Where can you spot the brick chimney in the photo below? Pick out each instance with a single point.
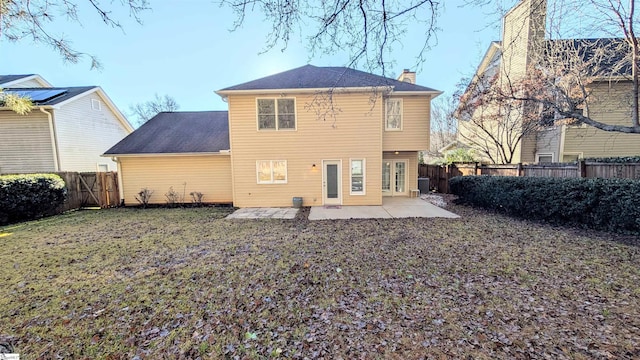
(408, 76)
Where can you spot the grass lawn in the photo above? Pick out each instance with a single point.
(186, 283)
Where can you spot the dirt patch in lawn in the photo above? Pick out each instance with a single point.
(186, 283)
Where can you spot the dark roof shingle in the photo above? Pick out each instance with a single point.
(314, 77)
(9, 78)
(178, 132)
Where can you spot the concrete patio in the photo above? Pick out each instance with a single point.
(396, 207)
(392, 207)
(264, 213)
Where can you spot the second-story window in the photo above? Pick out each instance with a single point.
(276, 114)
(393, 112)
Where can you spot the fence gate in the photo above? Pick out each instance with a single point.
(98, 189)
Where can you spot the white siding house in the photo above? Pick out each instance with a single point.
(67, 130)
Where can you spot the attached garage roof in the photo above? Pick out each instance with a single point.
(177, 132)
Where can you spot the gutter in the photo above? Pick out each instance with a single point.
(221, 152)
(54, 139)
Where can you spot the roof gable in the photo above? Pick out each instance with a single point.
(15, 80)
(314, 77)
(177, 132)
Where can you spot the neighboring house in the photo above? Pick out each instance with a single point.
(67, 130)
(509, 59)
(330, 135)
(23, 81)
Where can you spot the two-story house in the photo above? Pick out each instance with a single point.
(67, 129)
(330, 135)
(524, 45)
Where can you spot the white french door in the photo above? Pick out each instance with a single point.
(394, 177)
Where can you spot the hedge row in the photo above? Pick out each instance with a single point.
(605, 204)
(25, 197)
(616, 160)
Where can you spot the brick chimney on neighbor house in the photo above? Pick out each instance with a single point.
(408, 76)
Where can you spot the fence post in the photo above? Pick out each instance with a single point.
(475, 168)
(519, 169)
(582, 168)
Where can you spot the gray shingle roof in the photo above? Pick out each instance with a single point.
(68, 93)
(9, 78)
(605, 56)
(178, 132)
(314, 77)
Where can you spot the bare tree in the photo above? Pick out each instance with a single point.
(30, 20)
(367, 29)
(493, 123)
(148, 109)
(567, 72)
(444, 125)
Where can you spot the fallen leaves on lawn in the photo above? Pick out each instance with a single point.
(185, 283)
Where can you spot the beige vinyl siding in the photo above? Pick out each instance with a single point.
(25, 143)
(528, 145)
(548, 142)
(412, 166)
(33, 83)
(208, 174)
(523, 33)
(612, 107)
(84, 134)
(355, 133)
(414, 135)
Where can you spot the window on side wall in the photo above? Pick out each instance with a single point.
(571, 157)
(393, 114)
(96, 104)
(276, 114)
(544, 158)
(357, 177)
(271, 171)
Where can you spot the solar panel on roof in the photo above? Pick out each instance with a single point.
(38, 95)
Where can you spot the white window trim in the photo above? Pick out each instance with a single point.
(386, 128)
(96, 104)
(105, 165)
(364, 177)
(580, 154)
(272, 181)
(538, 155)
(275, 99)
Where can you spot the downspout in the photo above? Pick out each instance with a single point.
(54, 139)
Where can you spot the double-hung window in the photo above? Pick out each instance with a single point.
(393, 114)
(276, 114)
(357, 177)
(271, 171)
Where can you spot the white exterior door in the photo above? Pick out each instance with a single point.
(331, 182)
(394, 177)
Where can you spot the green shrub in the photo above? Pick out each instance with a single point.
(616, 160)
(24, 197)
(605, 204)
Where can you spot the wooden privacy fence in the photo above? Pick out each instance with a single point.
(90, 189)
(439, 175)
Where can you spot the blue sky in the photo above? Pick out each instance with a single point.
(185, 49)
